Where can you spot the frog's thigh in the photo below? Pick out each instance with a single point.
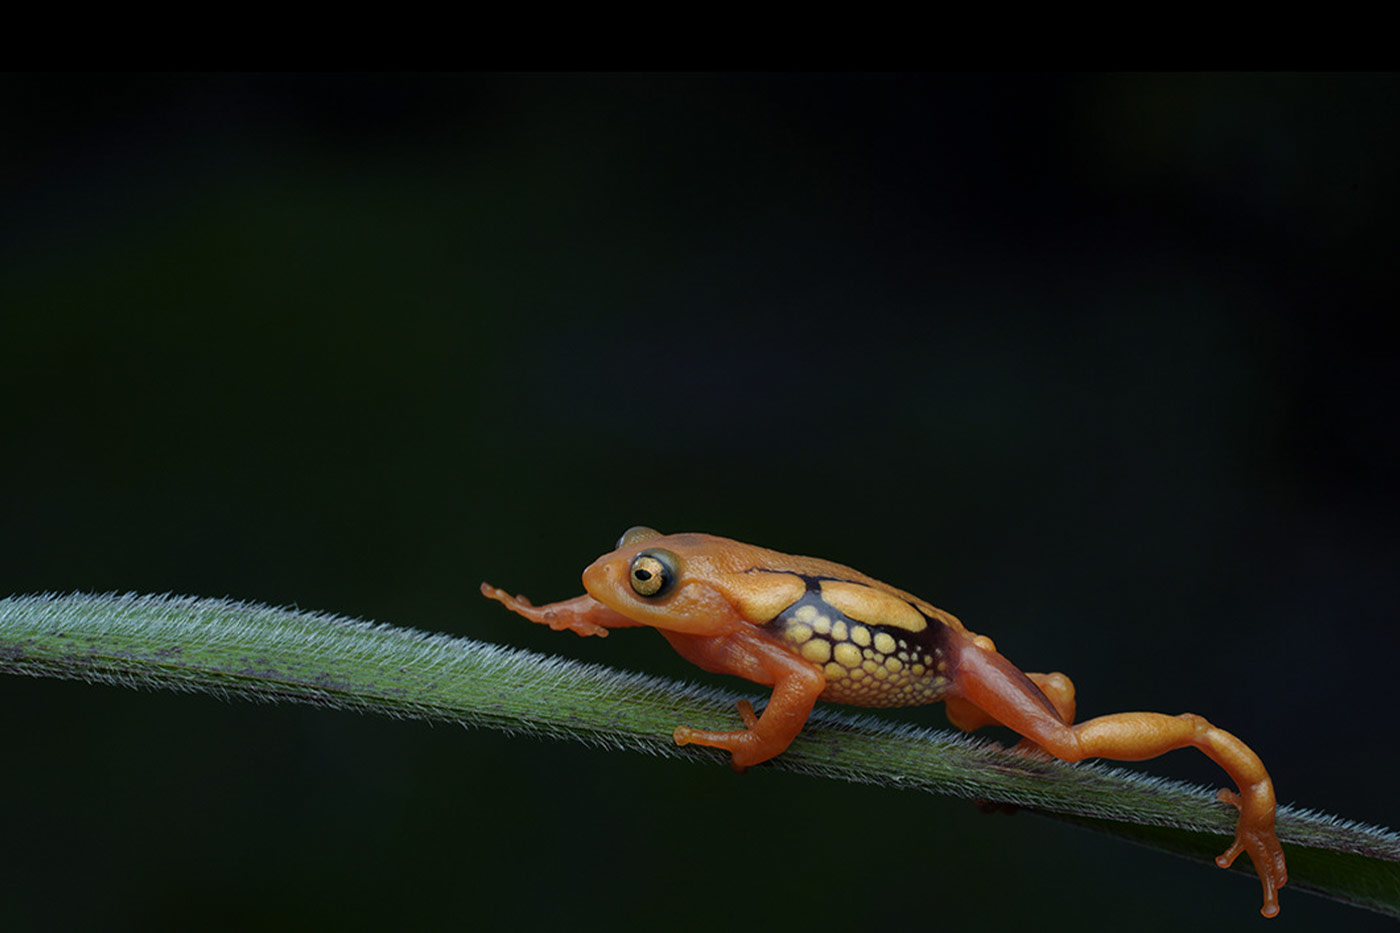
(796, 684)
(1058, 689)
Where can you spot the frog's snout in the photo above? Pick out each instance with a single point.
(600, 576)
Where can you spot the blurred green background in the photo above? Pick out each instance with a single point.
(1103, 365)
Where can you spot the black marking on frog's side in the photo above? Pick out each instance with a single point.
(866, 663)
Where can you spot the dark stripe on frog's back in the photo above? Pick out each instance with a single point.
(865, 664)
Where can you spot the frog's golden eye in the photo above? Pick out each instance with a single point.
(636, 535)
(653, 573)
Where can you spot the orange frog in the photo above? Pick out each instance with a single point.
(813, 630)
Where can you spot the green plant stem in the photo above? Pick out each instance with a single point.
(257, 652)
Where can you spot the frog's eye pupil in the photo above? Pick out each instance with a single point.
(653, 572)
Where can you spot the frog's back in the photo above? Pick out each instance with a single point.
(737, 557)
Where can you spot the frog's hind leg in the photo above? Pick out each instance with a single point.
(986, 681)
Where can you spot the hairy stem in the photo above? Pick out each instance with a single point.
(256, 652)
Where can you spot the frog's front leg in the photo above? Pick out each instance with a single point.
(582, 615)
(796, 685)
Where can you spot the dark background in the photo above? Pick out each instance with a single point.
(1102, 364)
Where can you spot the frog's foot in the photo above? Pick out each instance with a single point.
(743, 746)
(748, 715)
(572, 614)
(1255, 835)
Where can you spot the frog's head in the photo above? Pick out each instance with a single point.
(670, 582)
